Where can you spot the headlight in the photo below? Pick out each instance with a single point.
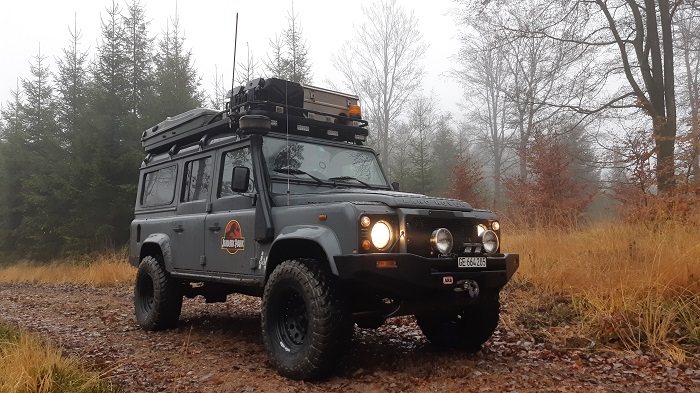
(490, 241)
(381, 235)
(441, 240)
(480, 229)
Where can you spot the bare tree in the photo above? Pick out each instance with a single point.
(382, 64)
(517, 78)
(639, 38)
(688, 43)
(644, 37)
(484, 74)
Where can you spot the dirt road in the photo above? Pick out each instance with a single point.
(218, 348)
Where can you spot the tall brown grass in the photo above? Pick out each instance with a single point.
(109, 268)
(636, 286)
(28, 364)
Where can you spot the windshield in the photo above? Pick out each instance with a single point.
(325, 163)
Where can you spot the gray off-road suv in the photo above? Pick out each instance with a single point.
(278, 197)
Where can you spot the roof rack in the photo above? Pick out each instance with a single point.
(292, 108)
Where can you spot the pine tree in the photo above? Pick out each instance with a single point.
(289, 57)
(444, 150)
(110, 72)
(139, 47)
(249, 70)
(299, 66)
(105, 161)
(12, 170)
(423, 118)
(37, 155)
(176, 84)
(71, 84)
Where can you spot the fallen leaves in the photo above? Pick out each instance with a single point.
(218, 348)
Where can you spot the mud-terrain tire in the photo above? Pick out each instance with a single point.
(157, 296)
(465, 329)
(305, 326)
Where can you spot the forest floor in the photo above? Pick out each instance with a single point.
(218, 348)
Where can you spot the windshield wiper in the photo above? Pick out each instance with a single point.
(295, 172)
(350, 178)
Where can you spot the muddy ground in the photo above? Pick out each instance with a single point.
(218, 348)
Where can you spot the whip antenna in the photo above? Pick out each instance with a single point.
(235, 43)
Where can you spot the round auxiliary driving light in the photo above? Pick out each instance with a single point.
(495, 226)
(490, 241)
(381, 235)
(441, 240)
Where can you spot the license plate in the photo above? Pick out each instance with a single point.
(471, 262)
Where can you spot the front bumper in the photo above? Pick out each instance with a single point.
(415, 276)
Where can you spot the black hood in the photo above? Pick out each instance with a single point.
(388, 198)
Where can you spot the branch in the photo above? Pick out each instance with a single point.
(608, 105)
(623, 54)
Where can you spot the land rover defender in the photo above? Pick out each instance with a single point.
(278, 196)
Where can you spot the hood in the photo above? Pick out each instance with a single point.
(385, 197)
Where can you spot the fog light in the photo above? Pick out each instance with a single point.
(490, 241)
(441, 240)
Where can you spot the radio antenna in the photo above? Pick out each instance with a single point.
(235, 43)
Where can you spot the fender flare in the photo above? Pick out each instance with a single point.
(163, 242)
(321, 235)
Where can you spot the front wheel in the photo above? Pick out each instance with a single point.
(465, 329)
(157, 297)
(305, 327)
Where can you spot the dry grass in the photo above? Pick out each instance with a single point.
(30, 365)
(635, 287)
(610, 257)
(97, 270)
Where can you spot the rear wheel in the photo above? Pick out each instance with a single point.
(306, 329)
(157, 296)
(465, 329)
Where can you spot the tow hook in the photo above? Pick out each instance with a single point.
(469, 286)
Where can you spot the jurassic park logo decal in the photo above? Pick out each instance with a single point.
(233, 239)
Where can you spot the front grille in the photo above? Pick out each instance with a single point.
(419, 229)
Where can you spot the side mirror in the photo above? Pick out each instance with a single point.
(240, 179)
(395, 186)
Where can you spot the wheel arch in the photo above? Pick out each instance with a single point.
(158, 245)
(304, 241)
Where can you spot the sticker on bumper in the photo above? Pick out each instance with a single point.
(448, 280)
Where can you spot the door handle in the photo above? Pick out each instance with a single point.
(178, 229)
(215, 228)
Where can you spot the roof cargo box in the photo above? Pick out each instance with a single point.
(331, 102)
(270, 90)
(178, 128)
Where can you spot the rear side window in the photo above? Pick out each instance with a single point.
(197, 182)
(159, 187)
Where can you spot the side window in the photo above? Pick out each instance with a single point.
(234, 158)
(197, 180)
(159, 187)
